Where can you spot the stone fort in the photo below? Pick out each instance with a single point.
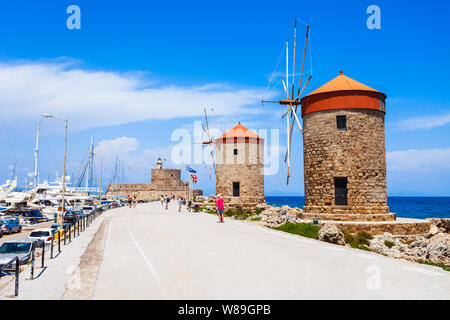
(164, 182)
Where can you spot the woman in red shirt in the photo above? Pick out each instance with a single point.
(219, 207)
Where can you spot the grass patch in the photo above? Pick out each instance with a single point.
(389, 244)
(303, 229)
(358, 241)
(237, 214)
(258, 211)
(434, 264)
(255, 219)
(209, 211)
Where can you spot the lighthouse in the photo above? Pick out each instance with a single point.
(344, 152)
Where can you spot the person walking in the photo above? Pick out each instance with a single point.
(162, 200)
(189, 205)
(167, 201)
(219, 207)
(180, 203)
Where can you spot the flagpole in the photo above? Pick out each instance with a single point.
(185, 178)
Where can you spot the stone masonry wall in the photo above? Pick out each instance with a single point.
(247, 168)
(164, 182)
(357, 153)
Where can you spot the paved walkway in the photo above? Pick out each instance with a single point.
(150, 253)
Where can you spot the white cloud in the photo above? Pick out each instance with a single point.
(97, 98)
(122, 146)
(418, 159)
(426, 122)
(130, 154)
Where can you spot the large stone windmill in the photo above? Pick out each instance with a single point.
(343, 147)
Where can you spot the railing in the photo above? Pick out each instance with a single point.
(79, 225)
(2, 269)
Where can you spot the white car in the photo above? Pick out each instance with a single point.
(88, 210)
(44, 234)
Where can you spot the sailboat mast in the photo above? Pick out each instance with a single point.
(36, 150)
(91, 164)
(101, 180)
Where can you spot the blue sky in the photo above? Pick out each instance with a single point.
(138, 70)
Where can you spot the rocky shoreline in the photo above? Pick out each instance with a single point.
(432, 247)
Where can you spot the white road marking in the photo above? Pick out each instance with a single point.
(424, 271)
(147, 260)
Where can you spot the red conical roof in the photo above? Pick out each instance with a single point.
(343, 92)
(342, 83)
(239, 131)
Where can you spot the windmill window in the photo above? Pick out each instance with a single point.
(341, 122)
(235, 152)
(236, 189)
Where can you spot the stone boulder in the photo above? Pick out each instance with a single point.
(442, 224)
(435, 249)
(329, 232)
(387, 244)
(276, 216)
(262, 206)
(438, 249)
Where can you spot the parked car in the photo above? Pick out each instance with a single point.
(10, 226)
(88, 210)
(70, 216)
(21, 248)
(44, 234)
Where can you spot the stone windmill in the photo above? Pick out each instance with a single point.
(344, 149)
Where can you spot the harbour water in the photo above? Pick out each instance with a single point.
(405, 207)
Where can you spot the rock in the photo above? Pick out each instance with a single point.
(262, 206)
(441, 236)
(387, 244)
(277, 216)
(434, 230)
(330, 233)
(434, 248)
(443, 224)
(438, 250)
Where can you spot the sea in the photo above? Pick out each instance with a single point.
(404, 207)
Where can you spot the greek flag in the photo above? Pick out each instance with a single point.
(190, 169)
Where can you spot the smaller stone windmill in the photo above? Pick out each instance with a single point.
(240, 168)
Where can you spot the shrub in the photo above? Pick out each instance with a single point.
(237, 214)
(358, 241)
(389, 244)
(303, 229)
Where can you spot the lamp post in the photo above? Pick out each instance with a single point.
(45, 115)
